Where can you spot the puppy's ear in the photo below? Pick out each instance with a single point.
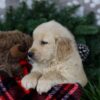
(64, 48)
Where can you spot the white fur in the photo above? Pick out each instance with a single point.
(47, 70)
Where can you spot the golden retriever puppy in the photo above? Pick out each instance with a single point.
(55, 58)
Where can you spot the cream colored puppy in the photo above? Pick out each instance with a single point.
(56, 58)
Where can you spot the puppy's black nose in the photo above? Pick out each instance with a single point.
(30, 54)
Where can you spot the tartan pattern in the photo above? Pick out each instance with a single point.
(65, 92)
(11, 89)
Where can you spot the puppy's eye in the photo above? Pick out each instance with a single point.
(44, 42)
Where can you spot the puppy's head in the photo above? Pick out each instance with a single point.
(43, 47)
(50, 41)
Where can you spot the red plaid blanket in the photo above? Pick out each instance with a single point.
(11, 89)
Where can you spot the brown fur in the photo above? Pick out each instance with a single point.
(63, 48)
(8, 39)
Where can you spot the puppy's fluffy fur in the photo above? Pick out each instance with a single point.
(8, 41)
(56, 58)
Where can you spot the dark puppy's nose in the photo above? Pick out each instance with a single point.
(30, 54)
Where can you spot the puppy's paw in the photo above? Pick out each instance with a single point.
(29, 81)
(43, 86)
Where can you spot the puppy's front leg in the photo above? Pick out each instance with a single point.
(48, 80)
(30, 80)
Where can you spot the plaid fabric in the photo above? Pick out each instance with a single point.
(11, 89)
(65, 92)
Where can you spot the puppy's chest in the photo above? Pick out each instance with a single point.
(43, 68)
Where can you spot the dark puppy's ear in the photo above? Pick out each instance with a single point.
(17, 51)
(64, 48)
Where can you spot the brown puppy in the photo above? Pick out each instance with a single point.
(10, 42)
